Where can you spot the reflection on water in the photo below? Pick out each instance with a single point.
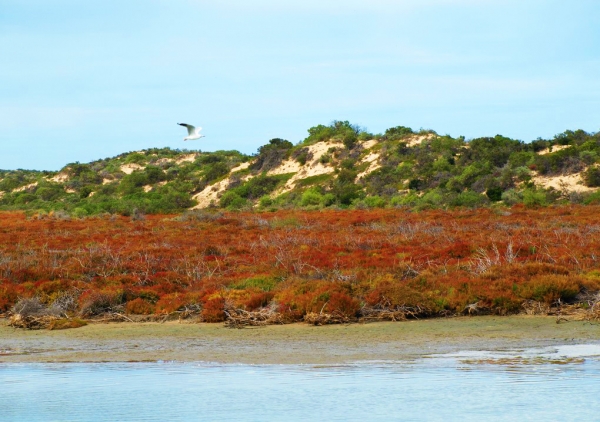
(531, 384)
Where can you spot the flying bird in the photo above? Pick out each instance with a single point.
(193, 132)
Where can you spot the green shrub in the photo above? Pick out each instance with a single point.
(265, 201)
(469, 199)
(338, 130)
(588, 157)
(512, 197)
(215, 171)
(232, 200)
(49, 192)
(260, 185)
(325, 158)
(272, 154)
(85, 191)
(592, 198)
(408, 200)
(534, 198)
(263, 283)
(551, 287)
(494, 194)
(398, 132)
(79, 212)
(415, 184)
(136, 158)
(311, 197)
(302, 155)
(374, 202)
(591, 177)
(432, 199)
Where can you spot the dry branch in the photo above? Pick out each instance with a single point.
(31, 322)
(381, 312)
(240, 318)
(325, 318)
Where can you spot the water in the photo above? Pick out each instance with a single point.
(558, 383)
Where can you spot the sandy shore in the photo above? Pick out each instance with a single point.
(288, 344)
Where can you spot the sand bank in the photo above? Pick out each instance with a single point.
(288, 344)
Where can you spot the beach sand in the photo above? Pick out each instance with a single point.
(288, 344)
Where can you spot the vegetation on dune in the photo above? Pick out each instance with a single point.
(316, 266)
(352, 226)
(339, 165)
(149, 182)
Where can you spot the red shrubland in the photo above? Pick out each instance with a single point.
(304, 262)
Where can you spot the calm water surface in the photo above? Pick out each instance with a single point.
(559, 383)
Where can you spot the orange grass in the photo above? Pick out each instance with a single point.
(305, 261)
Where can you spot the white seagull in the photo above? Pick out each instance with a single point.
(193, 132)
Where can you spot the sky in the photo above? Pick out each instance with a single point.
(86, 80)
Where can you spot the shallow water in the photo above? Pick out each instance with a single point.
(552, 383)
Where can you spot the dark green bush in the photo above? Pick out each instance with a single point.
(591, 177)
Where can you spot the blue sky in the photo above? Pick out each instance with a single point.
(84, 80)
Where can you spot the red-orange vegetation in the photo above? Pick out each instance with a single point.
(94, 302)
(173, 302)
(304, 261)
(258, 300)
(341, 303)
(214, 310)
(140, 306)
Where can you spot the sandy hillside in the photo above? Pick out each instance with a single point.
(23, 188)
(189, 158)
(373, 159)
(554, 148)
(418, 139)
(568, 183)
(130, 168)
(212, 192)
(309, 169)
(59, 178)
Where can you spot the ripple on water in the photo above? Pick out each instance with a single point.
(439, 387)
(551, 355)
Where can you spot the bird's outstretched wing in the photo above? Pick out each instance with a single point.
(191, 129)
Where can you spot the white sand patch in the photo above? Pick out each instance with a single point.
(418, 139)
(369, 144)
(161, 161)
(188, 158)
(68, 190)
(552, 149)
(22, 188)
(303, 174)
(568, 183)
(321, 148)
(210, 194)
(148, 188)
(106, 181)
(373, 160)
(130, 168)
(288, 166)
(312, 168)
(242, 166)
(60, 177)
